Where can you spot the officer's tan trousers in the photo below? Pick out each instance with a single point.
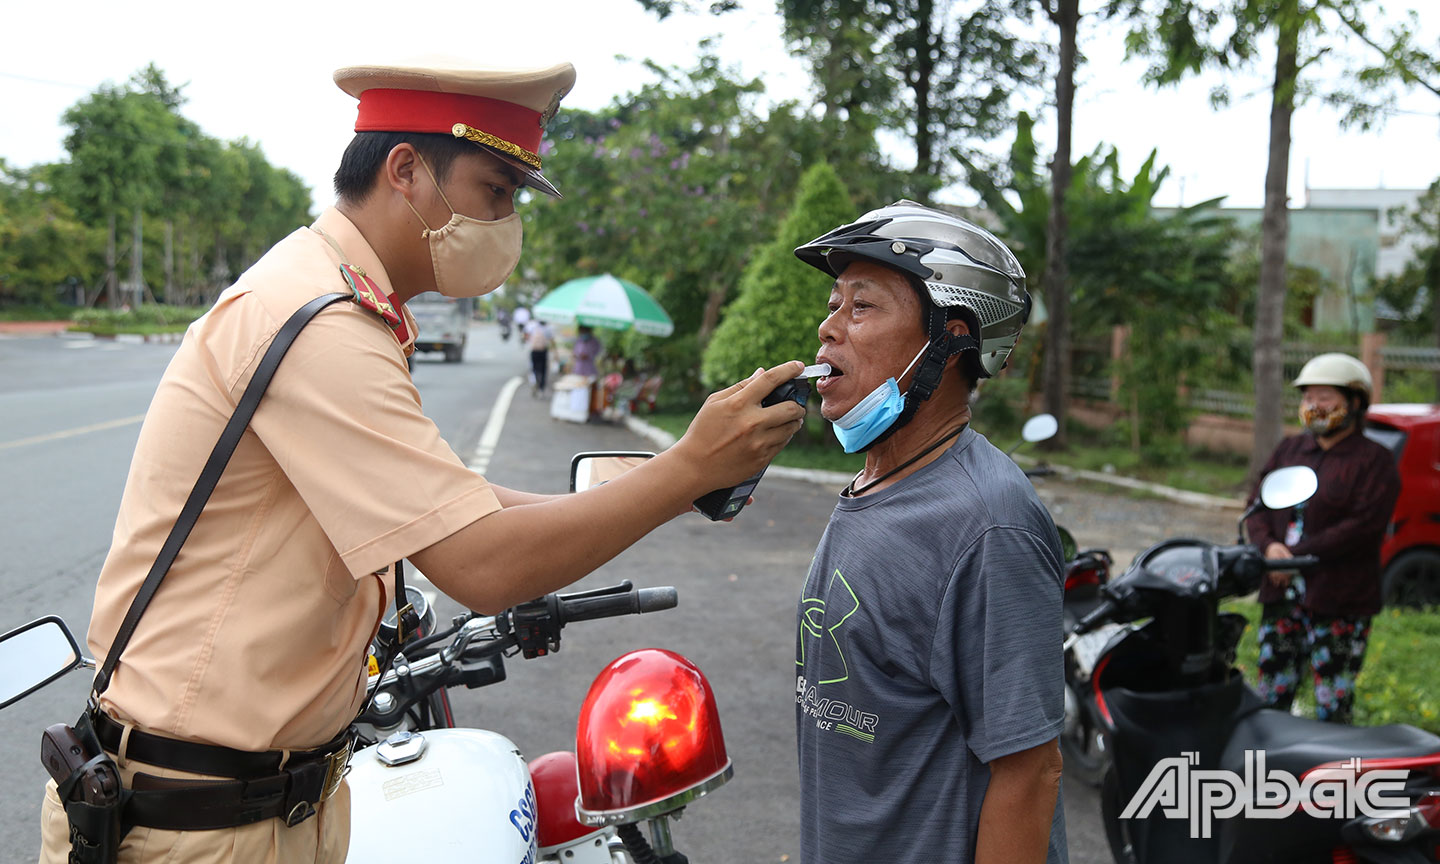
(323, 838)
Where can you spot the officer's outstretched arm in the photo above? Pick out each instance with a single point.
(522, 552)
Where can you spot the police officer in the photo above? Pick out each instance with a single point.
(252, 652)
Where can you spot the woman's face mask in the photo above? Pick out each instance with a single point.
(471, 257)
(1324, 420)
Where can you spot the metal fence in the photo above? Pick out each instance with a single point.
(1228, 388)
(1410, 357)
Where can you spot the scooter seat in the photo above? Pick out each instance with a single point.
(1297, 744)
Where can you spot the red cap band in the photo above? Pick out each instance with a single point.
(383, 110)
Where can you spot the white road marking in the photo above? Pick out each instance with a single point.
(71, 433)
(480, 462)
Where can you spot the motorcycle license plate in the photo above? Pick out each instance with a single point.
(1087, 648)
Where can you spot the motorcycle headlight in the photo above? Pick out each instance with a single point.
(649, 739)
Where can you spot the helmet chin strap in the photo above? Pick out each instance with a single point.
(943, 346)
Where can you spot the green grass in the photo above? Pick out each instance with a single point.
(137, 329)
(1097, 450)
(1397, 680)
(35, 313)
(148, 318)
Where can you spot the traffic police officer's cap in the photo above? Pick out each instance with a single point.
(503, 110)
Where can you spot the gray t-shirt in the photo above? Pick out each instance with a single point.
(929, 644)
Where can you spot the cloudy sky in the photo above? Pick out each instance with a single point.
(263, 71)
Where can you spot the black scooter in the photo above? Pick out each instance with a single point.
(1201, 770)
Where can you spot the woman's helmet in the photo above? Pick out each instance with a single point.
(958, 263)
(1337, 370)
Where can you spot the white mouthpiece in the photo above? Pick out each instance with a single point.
(819, 370)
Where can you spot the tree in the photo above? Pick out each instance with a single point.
(42, 243)
(1161, 276)
(673, 187)
(1065, 14)
(1183, 37)
(117, 144)
(961, 63)
(1415, 291)
(782, 299)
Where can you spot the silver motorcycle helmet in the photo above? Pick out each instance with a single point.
(959, 263)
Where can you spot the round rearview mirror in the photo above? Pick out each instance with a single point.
(1068, 547)
(1041, 427)
(1288, 487)
(588, 470)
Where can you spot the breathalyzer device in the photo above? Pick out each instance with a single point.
(726, 503)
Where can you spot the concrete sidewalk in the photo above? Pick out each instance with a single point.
(534, 450)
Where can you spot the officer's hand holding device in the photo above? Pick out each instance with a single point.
(727, 503)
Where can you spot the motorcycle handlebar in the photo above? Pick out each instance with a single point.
(1295, 563)
(630, 603)
(1095, 618)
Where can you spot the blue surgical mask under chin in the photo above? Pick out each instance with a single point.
(872, 415)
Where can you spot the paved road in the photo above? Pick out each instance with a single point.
(69, 416)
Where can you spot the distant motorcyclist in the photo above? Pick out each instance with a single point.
(1322, 620)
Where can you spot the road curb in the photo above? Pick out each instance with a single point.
(664, 440)
(655, 435)
(1183, 496)
(130, 338)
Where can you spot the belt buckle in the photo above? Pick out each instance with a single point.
(337, 765)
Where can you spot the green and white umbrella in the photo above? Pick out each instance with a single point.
(604, 301)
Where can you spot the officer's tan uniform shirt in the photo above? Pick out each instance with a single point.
(257, 637)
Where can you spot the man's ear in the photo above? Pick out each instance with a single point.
(400, 169)
(958, 327)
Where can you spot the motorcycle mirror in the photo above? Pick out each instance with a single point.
(1288, 487)
(32, 655)
(1041, 427)
(591, 469)
(1068, 547)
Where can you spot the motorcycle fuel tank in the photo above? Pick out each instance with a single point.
(452, 795)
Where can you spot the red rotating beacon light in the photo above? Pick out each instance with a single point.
(649, 739)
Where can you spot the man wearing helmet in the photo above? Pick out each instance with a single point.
(1323, 618)
(929, 680)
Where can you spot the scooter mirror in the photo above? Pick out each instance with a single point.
(1288, 487)
(33, 655)
(588, 470)
(1041, 427)
(1068, 547)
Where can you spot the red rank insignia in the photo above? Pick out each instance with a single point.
(369, 295)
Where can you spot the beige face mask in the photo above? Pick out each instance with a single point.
(471, 257)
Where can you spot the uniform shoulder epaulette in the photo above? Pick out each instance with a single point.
(369, 296)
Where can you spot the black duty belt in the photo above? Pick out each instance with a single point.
(261, 788)
(177, 755)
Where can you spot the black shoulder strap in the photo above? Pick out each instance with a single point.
(209, 476)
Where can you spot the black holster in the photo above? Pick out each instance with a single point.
(95, 832)
(88, 784)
